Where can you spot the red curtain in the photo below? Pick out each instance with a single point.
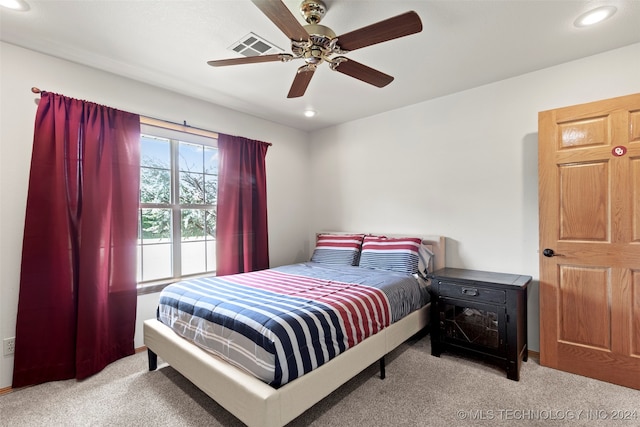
(241, 225)
(77, 304)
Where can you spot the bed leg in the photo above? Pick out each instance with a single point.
(153, 360)
(382, 373)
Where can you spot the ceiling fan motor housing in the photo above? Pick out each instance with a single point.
(319, 47)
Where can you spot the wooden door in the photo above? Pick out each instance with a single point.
(589, 197)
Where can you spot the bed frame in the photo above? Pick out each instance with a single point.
(256, 403)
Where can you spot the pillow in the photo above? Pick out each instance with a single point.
(424, 258)
(401, 254)
(337, 249)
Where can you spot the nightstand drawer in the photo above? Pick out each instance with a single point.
(471, 292)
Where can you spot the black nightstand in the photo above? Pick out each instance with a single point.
(482, 314)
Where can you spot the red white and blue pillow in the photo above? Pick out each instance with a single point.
(338, 249)
(401, 254)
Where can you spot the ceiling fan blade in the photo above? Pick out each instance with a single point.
(399, 26)
(362, 72)
(301, 81)
(280, 15)
(251, 60)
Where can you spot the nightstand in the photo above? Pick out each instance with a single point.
(482, 314)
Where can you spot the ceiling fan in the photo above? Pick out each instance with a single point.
(317, 44)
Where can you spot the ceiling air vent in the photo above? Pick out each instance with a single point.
(253, 45)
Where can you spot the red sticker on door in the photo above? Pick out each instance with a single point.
(619, 151)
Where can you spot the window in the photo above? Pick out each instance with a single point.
(178, 194)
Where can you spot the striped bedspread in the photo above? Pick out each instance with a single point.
(281, 323)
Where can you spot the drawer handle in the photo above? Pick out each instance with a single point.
(470, 291)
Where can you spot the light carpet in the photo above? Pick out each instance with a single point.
(419, 390)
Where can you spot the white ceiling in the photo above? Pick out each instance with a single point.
(464, 43)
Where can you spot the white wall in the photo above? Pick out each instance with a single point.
(287, 161)
(463, 166)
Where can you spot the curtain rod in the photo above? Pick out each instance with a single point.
(151, 121)
(184, 127)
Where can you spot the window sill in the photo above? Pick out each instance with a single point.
(152, 288)
(155, 287)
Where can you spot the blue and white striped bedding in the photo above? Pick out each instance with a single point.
(281, 323)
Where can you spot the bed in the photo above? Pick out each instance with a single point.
(276, 395)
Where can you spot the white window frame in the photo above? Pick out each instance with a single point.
(176, 133)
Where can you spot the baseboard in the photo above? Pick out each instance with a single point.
(533, 354)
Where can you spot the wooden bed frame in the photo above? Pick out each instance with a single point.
(256, 403)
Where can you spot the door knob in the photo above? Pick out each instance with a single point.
(549, 253)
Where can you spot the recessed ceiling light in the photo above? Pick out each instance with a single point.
(594, 16)
(19, 5)
(309, 113)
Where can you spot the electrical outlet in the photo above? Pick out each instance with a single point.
(9, 346)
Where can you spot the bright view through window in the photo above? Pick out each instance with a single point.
(178, 193)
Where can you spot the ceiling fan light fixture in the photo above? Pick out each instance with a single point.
(594, 16)
(19, 5)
